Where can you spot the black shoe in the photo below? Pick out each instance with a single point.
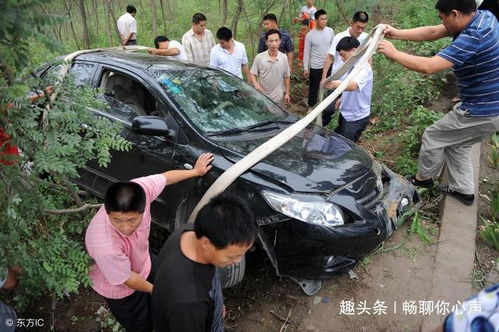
(466, 199)
(428, 183)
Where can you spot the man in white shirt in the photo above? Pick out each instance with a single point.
(355, 102)
(317, 43)
(198, 41)
(270, 72)
(229, 55)
(356, 29)
(127, 26)
(167, 47)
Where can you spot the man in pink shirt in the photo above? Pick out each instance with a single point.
(117, 239)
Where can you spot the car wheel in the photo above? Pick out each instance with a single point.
(232, 274)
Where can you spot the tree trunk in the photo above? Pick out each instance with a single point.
(152, 5)
(95, 7)
(279, 19)
(113, 17)
(163, 15)
(86, 38)
(68, 9)
(224, 12)
(236, 19)
(109, 29)
(252, 34)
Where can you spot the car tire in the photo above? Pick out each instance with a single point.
(232, 274)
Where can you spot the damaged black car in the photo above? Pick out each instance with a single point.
(322, 203)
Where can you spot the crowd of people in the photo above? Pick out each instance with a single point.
(180, 289)
(271, 68)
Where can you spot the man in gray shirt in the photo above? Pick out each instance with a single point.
(317, 43)
(270, 70)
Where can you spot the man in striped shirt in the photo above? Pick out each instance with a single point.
(198, 41)
(117, 239)
(473, 55)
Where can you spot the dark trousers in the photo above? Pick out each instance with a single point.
(134, 311)
(351, 129)
(314, 86)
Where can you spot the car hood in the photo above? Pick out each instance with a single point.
(311, 161)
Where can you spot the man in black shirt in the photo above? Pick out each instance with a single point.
(187, 294)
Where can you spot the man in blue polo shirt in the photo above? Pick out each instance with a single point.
(473, 55)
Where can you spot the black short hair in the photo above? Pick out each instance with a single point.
(160, 39)
(271, 32)
(319, 13)
(125, 197)
(305, 21)
(226, 220)
(362, 17)
(270, 17)
(131, 9)
(224, 33)
(347, 44)
(198, 17)
(463, 6)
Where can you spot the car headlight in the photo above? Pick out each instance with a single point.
(307, 208)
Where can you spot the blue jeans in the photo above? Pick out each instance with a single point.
(351, 129)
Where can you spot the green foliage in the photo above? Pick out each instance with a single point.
(419, 120)
(56, 138)
(422, 228)
(20, 24)
(494, 151)
(490, 233)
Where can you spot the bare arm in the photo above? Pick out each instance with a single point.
(135, 281)
(327, 64)
(287, 85)
(426, 33)
(246, 73)
(201, 167)
(352, 85)
(255, 83)
(290, 60)
(167, 52)
(425, 65)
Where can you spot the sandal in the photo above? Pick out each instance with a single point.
(466, 199)
(428, 183)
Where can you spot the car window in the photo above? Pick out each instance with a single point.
(82, 73)
(126, 97)
(214, 101)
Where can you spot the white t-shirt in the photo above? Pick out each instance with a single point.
(356, 104)
(181, 56)
(222, 59)
(126, 25)
(332, 50)
(309, 11)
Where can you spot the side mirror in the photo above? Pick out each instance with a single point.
(151, 125)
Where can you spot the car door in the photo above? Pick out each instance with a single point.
(127, 96)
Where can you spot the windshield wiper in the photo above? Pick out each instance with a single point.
(232, 131)
(255, 127)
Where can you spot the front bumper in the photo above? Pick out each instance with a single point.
(303, 250)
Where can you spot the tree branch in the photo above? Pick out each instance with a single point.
(80, 209)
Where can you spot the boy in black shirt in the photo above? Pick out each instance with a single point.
(187, 294)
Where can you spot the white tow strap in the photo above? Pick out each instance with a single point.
(362, 55)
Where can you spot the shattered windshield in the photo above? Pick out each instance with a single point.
(214, 101)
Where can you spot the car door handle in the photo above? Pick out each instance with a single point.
(188, 166)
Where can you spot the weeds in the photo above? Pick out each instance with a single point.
(494, 151)
(489, 232)
(424, 230)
